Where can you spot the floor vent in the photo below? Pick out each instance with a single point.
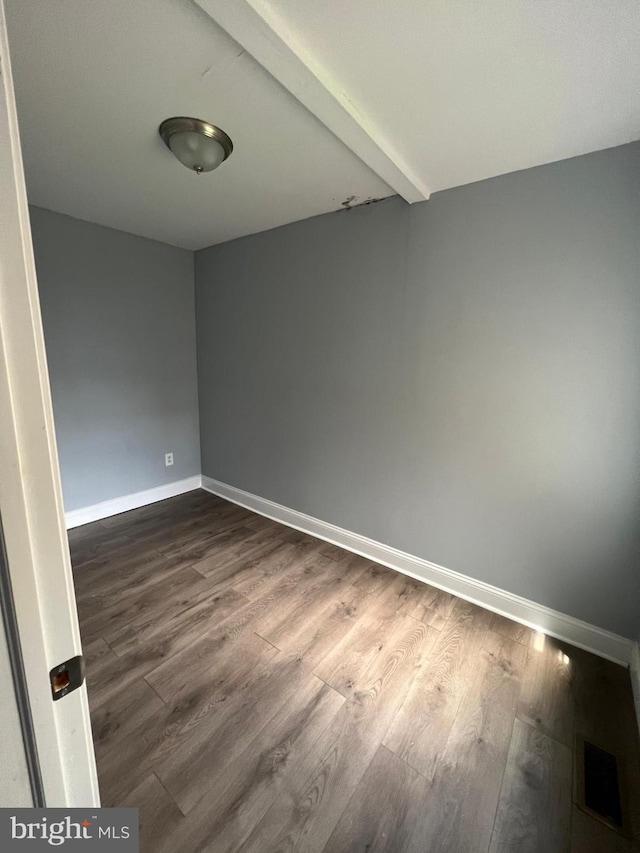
(600, 785)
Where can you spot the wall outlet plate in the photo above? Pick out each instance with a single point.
(168, 459)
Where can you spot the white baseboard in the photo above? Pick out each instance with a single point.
(634, 668)
(103, 510)
(536, 616)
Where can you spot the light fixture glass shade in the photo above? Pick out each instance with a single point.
(198, 145)
(197, 152)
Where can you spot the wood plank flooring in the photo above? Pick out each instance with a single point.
(256, 690)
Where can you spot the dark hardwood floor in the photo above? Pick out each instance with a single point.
(255, 689)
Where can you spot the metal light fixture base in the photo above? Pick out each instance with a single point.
(185, 124)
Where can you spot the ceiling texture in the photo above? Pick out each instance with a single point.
(327, 103)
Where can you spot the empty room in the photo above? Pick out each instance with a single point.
(320, 393)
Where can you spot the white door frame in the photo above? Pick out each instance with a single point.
(31, 506)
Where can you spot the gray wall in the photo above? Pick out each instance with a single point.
(118, 316)
(459, 379)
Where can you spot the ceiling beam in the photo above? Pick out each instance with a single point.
(263, 34)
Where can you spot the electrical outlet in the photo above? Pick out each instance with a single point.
(168, 459)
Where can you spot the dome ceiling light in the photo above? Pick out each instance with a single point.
(198, 145)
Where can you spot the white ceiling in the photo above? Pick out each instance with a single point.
(94, 79)
(469, 89)
(429, 94)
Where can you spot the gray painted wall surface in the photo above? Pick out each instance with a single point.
(459, 379)
(118, 316)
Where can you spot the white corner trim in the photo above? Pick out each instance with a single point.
(261, 31)
(149, 496)
(589, 637)
(634, 668)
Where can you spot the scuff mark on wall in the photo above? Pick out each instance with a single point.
(351, 202)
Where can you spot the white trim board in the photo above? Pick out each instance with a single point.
(270, 40)
(149, 496)
(589, 637)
